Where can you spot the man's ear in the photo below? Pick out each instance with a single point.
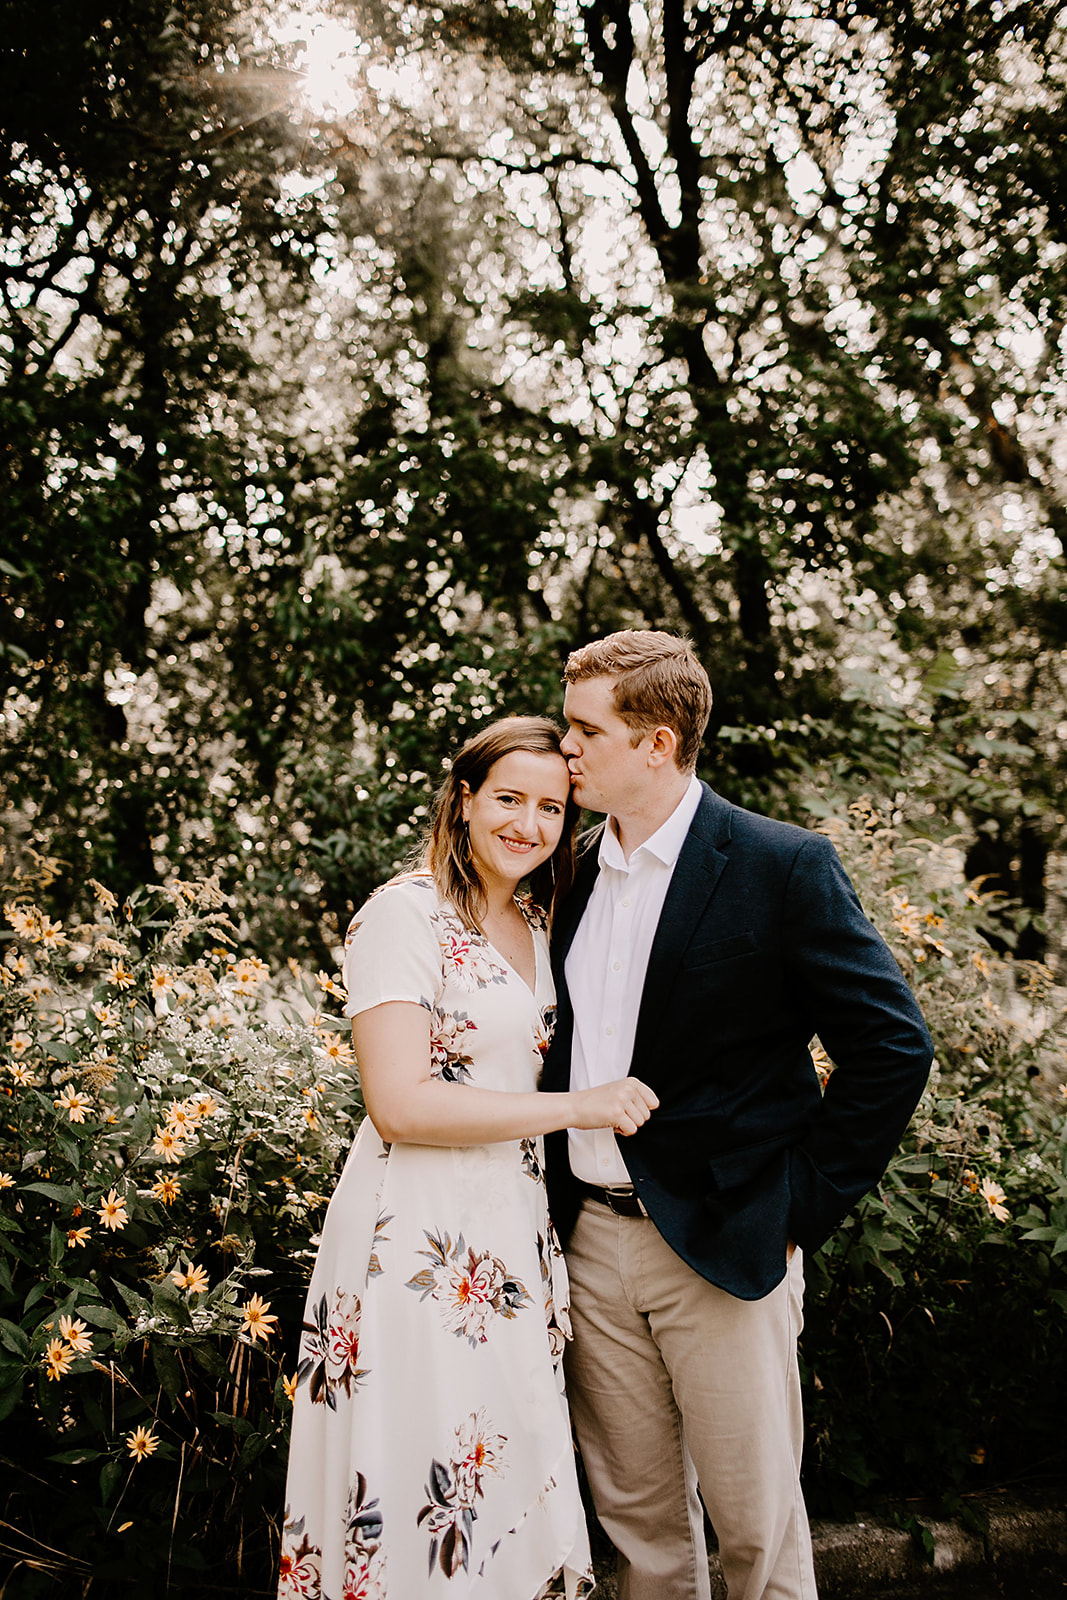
(663, 746)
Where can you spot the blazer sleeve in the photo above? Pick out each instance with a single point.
(850, 989)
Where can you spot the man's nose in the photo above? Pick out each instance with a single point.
(568, 746)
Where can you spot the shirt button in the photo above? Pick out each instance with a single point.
(625, 902)
(616, 966)
(609, 1030)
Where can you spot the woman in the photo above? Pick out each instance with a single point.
(431, 1450)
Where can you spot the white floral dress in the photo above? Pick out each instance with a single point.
(431, 1449)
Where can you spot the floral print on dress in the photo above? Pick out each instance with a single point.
(454, 1486)
(300, 1568)
(546, 1028)
(465, 955)
(374, 1265)
(558, 1323)
(531, 1160)
(471, 1288)
(329, 1350)
(365, 1560)
(448, 1035)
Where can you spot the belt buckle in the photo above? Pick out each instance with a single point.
(620, 1194)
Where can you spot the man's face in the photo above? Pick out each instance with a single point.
(607, 772)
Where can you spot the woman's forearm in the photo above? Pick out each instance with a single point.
(408, 1105)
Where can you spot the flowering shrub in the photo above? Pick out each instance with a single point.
(910, 1390)
(170, 1129)
(171, 1124)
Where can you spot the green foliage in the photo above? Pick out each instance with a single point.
(935, 1316)
(171, 1123)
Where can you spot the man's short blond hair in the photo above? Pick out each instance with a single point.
(658, 682)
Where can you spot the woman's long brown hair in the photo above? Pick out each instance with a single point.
(447, 854)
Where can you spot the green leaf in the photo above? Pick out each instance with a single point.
(36, 1293)
(110, 1473)
(10, 1395)
(100, 1316)
(75, 1458)
(57, 1245)
(168, 1369)
(64, 1193)
(14, 1338)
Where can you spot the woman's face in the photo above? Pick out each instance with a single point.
(515, 819)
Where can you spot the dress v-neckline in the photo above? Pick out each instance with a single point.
(531, 989)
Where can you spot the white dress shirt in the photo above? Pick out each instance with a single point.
(606, 967)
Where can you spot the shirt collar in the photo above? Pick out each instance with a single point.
(665, 844)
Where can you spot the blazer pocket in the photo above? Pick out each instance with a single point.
(741, 944)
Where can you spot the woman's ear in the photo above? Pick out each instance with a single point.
(465, 807)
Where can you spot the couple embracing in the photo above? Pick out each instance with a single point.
(606, 1158)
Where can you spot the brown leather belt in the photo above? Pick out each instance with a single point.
(623, 1201)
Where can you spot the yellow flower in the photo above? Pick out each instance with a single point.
(970, 1179)
(195, 1279)
(6, 1181)
(23, 920)
(339, 1051)
(106, 1015)
(205, 1106)
(104, 897)
(167, 1144)
(310, 1118)
(257, 1324)
(22, 1076)
(113, 1212)
(246, 973)
(20, 1043)
(76, 1334)
(162, 980)
(141, 1442)
(329, 985)
(77, 1237)
(73, 1103)
(119, 975)
(180, 1118)
(166, 1189)
(289, 1385)
(50, 933)
(993, 1195)
(57, 1358)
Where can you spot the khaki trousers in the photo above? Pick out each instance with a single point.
(673, 1383)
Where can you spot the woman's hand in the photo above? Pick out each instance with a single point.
(623, 1106)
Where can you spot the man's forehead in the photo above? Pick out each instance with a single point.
(590, 699)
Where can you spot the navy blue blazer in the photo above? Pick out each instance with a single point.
(762, 943)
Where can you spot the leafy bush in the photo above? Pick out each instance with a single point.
(936, 1317)
(170, 1126)
(172, 1120)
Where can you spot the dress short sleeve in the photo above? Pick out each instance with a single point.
(391, 950)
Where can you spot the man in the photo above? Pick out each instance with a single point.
(701, 949)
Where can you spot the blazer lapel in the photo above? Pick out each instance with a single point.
(696, 875)
(570, 914)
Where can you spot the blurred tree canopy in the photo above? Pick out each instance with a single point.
(329, 429)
